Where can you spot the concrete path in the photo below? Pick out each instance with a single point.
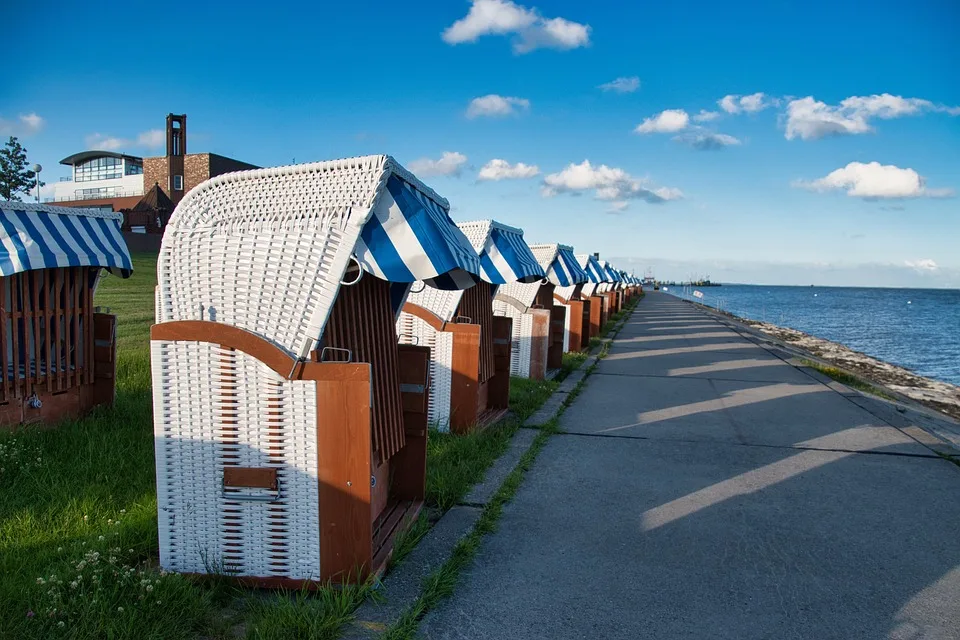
(704, 488)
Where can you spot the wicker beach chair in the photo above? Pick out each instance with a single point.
(538, 323)
(470, 348)
(290, 427)
(594, 291)
(568, 278)
(57, 351)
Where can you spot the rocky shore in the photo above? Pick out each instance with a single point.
(941, 396)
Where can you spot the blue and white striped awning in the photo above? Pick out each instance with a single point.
(560, 264)
(504, 255)
(612, 275)
(590, 264)
(39, 236)
(411, 237)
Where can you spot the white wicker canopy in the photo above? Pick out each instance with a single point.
(266, 250)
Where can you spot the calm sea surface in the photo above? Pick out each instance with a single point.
(915, 328)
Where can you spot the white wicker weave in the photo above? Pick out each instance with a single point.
(566, 292)
(198, 528)
(413, 330)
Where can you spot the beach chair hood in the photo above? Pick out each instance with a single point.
(41, 236)
(504, 256)
(267, 250)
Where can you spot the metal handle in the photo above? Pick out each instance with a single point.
(359, 274)
(424, 286)
(323, 353)
(410, 336)
(463, 320)
(250, 497)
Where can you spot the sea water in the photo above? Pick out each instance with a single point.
(918, 329)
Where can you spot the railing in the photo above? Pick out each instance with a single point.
(116, 194)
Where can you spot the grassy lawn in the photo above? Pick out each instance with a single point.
(78, 524)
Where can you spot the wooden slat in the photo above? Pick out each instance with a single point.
(15, 282)
(76, 338)
(362, 320)
(36, 284)
(57, 308)
(3, 338)
(88, 329)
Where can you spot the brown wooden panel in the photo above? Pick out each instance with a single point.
(558, 316)
(540, 332)
(251, 477)
(575, 309)
(410, 463)
(414, 376)
(477, 304)
(464, 376)
(343, 448)
(362, 320)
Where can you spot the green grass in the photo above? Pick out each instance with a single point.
(848, 379)
(62, 489)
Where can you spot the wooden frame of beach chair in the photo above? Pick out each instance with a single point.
(57, 351)
(290, 427)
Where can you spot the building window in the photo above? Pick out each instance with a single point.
(94, 193)
(98, 169)
(133, 168)
(178, 183)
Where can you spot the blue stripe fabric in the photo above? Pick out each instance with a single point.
(576, 273)
(506, 258)
(409, 237)
(593, 269)
(34, 236)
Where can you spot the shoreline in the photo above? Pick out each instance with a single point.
(941, 397)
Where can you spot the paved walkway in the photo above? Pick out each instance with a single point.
(704, 488)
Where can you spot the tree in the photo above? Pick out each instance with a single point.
(15, 176)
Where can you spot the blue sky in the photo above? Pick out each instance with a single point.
(854, 101)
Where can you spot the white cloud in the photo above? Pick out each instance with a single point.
(810, 119)
(925, 265)
(496, 106)
(707, 140)
(618, 206)
(148, 140)
(746, 104)
(498, 169)
(706, 116)
(874, 180)
(25, 125)
(530, 30)
(450, 164)
(622, 85)
(152, 139)
(669, 121)
(106, 143)
(608, 183)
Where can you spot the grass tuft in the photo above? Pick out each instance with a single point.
(848, 379)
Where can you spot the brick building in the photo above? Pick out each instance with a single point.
(120, 182)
